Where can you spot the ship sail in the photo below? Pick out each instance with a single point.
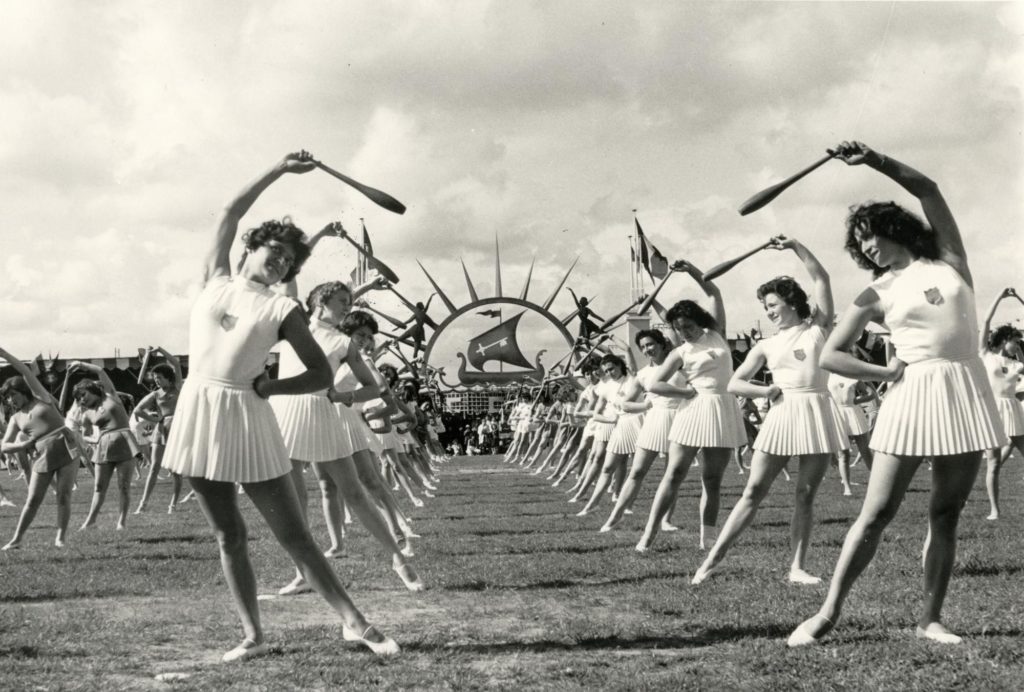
(498, 343)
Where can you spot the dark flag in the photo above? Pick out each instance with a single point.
(654, 262)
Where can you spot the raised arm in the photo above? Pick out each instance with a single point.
(835, 356)
(940, 218)
(218, 257)
(101, 375)
(38, 390)
(821, 284)
(179, 377)
(986, 326)
(710, 290)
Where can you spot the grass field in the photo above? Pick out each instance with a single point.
(522, 595)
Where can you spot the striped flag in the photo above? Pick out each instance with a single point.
(654, 262)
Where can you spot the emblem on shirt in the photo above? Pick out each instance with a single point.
(933, 296)
(228, 322)
(1005, 370)
(799, 354)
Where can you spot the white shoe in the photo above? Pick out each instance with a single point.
(388, 647)
(246, 650)
(799, 576)
(937, 633)
(296, 587)
(409, 577)
(802, 636)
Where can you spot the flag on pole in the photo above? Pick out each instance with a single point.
(361, 274)
(654, 262)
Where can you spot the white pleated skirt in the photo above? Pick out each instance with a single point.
(802, 422)
(854, 419)
(523, 427)
(389, 440)
(588, 429)
(355, 429)
(603, 431)
(657, 425)
(939, 407)
(625, 434)
(407, 440)
(1011, 412)
(223, 431)
(311, 428)
(710, 419)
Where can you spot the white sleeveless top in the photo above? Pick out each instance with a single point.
(707, 363)
(334, 343)
(1003, 373)
(843, 389)
(930, 311)
(646, 379)
(792, 357)
(232, 327)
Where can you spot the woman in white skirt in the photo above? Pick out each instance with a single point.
(940, 404)
(613, 374)
(802, 420)
(1002, 356)
(628, 417)
(519, 422)
(848, 394)
(315, 433)
(582, 414)
(225, 431)
(381, 415)
(708, 418)
(658, 411)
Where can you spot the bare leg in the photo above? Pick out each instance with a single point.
(378, 490)
(995, 458)
(680, 459)
(343, 473)
(125, 469)
(611, 463)
(37, 486)
(102, 481)
(811, 471)
(861, 441)
(763, 470)
(594, 465)
(65, 485)
(716, 461)
(642, 460)
(334, 511)
(842, 458)
(582, 453)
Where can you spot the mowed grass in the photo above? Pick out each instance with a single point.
(522, 595)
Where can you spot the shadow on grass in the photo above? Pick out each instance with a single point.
(504, 550)
(976, 570)
(198, 538)
(700, 639)
(483, 585)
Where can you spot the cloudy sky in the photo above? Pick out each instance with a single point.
(126, 127)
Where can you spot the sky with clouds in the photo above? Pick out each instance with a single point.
(126, 127)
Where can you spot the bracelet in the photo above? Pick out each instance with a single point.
(881, 163)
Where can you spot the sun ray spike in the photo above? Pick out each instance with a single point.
(469, 284)
(497, 268)
(441, 294)
(529, 275)
(554, 294)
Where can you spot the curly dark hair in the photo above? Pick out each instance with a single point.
(16, 384)
(1000, 335)
(688, 309)
(88, 387)
(389, 372)
(284, 232)
(888, 220)
(356, 319)
(786, 288)
(617, 361)
(165, 370)
(324, 292)
(654, 335)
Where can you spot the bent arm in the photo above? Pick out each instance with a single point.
(317, 376)
(821, 286)
(834, 355)
(38, 390)
(740, 384)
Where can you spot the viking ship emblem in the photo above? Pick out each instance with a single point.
(933, 296)
(799, 354)
(498, 343)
